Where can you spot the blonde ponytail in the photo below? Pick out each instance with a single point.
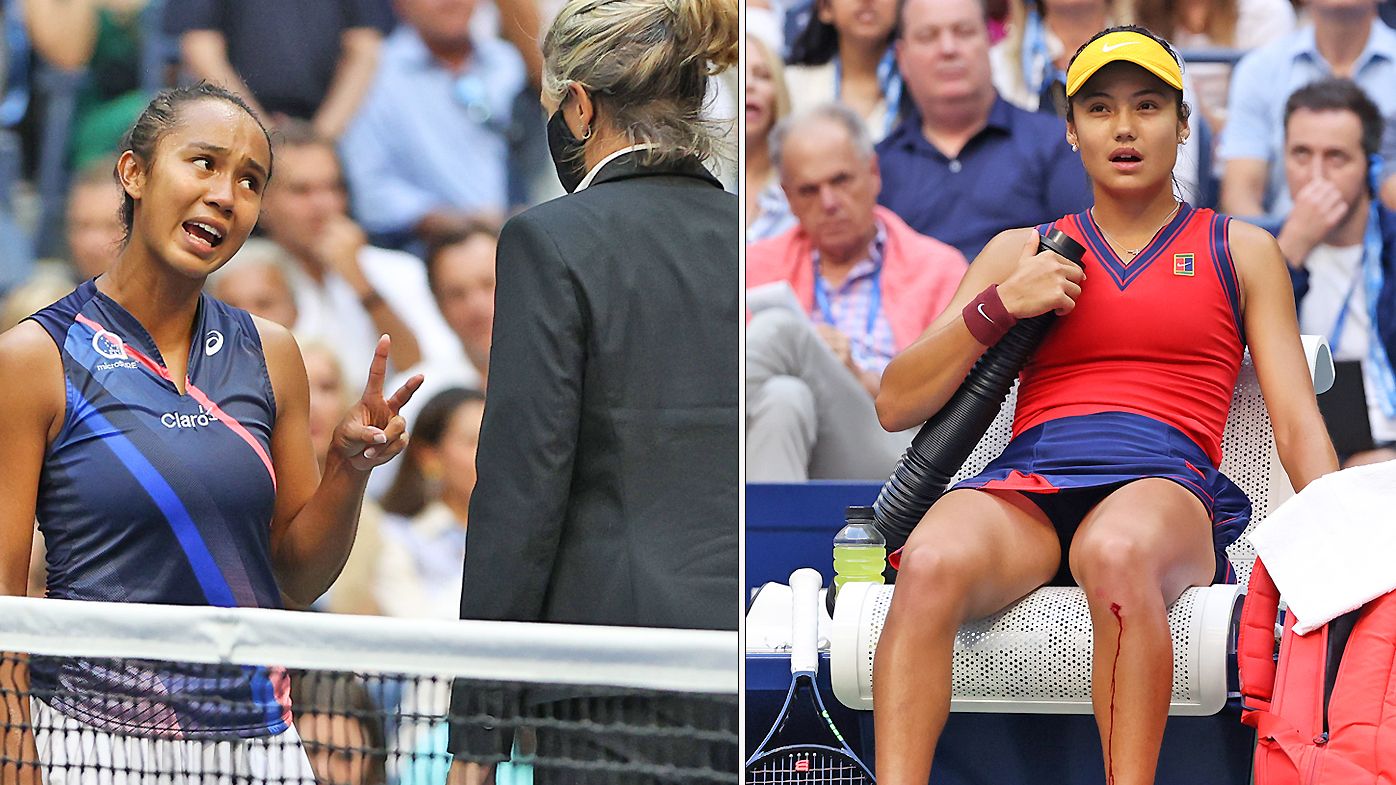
(646, 65)
(711, 27)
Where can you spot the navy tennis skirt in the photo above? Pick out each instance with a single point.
(1068, 465)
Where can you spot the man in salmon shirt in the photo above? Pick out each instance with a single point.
(866, 285)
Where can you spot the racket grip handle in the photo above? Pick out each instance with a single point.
(804, 622)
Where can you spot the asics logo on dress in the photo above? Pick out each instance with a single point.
(213, 343)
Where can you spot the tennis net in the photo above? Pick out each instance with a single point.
(125, 694)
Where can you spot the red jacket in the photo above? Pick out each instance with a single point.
(919, 273)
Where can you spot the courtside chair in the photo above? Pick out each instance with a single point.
(1035, 656)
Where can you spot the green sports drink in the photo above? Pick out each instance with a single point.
(860, 550)
(861, 563)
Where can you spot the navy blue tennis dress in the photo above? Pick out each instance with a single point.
(151, 496)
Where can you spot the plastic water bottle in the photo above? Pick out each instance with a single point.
(860, 550)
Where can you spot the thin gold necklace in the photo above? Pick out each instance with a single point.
(1134, 251)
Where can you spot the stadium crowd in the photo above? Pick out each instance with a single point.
(404, 132)
(877, 126)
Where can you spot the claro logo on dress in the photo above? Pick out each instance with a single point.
(177, 420)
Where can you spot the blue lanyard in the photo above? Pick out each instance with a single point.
(821, 298)
(1371, 251)
(1335, 336)
(889, 82)
(1038, 69)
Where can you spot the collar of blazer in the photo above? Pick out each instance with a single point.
(631, 165)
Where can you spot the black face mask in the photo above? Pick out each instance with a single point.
(566, 151)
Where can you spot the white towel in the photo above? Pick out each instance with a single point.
(1332, 547)
(768, 627)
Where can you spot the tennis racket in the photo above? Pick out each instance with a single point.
(786, 755)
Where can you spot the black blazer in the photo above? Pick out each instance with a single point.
(608, 459)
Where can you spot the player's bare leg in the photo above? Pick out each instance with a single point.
(1134, 554)
(974, 553)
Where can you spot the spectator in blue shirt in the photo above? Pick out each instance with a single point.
(427, 154)
(1341, 250)
(308, 59)
(16, 249)
(965, 164)
(1346, 39)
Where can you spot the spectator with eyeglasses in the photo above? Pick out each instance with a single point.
(427, 153)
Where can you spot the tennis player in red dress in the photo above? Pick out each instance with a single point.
(1111, 478)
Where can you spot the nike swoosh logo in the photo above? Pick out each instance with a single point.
(980, 308)
(1108, 48)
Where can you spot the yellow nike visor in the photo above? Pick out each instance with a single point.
(1123, 46)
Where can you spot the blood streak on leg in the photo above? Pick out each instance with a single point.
(1114, 669)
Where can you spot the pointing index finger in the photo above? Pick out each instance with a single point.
(378, 369)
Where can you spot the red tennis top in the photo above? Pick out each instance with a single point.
(1158, 335)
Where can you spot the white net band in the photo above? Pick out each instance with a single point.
(119, 694)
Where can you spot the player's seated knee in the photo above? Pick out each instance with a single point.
(934, 577)
(1111, 566)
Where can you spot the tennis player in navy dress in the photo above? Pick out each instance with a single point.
(161, 440)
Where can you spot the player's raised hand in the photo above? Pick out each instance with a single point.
(1043, 281)
(373, 431)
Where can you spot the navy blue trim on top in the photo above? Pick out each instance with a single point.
(1124, 273)
(1226, 269)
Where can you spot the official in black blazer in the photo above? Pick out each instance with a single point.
(609, 453)
(608, 458)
